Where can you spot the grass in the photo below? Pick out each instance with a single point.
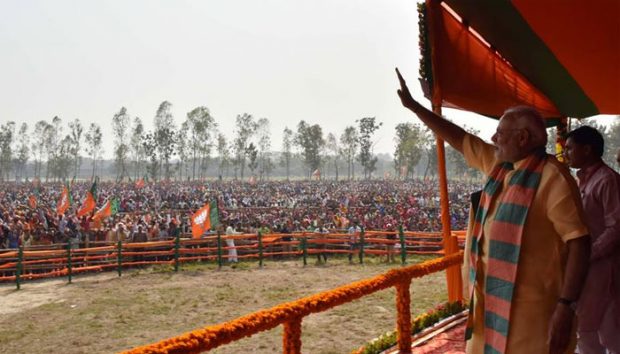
(104, 313)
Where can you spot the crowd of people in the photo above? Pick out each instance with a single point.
(161, 210)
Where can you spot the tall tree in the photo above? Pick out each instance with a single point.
(309, 139)
(94, 145)
(201, 127)
(120, 128)
(165, 135)
(264, 147)
(51, 140)
(252, 154)
(224, 153)
(53, 137)
(64, 158)
(334, 151)
(287, 147)
(76, 129)
(349, 141)
(367, 127)
(149, 144)
(245, 129)
(431, 156)
(183, 149)
(410, 139)
(165, 139)
(23, 151)
(38, 146)
(7, 135)
(135, 146)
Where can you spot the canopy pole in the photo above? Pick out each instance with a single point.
(450, 243)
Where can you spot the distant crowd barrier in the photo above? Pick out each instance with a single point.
(60, 260)
(291, 314)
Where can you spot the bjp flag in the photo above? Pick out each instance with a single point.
(89, 203)
(65, 201)
(108, 209)
(140, 183)
(201, 221)
(32, 201)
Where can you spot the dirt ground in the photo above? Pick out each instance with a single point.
(104, 313)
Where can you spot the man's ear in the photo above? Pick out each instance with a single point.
(524, 137)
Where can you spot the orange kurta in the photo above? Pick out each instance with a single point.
(555, 217)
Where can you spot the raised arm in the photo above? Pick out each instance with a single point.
(445, 129)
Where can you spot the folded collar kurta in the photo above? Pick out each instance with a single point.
(555, 217)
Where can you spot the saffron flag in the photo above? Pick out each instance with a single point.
(108, 209)
(140, 183)
(201, 221)
(204, 219)
(32, 201)
(65, 201)
(89, 203)
(33, 197)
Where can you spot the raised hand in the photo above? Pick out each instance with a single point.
(405, 95)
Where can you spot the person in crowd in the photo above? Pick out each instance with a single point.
(598, 309)
(266, 203)
(230, 244)
(354, 240)
(139, 235)
(321, 234)
(529, 222)
(391, 239)
(286, 229)
(13, 234)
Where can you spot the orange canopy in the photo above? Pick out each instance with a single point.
(562, 57)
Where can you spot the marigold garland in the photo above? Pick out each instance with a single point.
(403, 322)
(214, 336)
(292, 336)
(423, 321)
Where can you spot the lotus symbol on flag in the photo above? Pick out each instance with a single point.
(200, 218)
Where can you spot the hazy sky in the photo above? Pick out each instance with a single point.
(324, 61)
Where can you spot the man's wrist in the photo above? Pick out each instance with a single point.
(416, 108)
(572, 304)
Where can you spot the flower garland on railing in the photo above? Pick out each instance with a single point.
(426, 320)
(403, 322)
(214, 336)
(292, 336)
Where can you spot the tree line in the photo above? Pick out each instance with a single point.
(55, 151)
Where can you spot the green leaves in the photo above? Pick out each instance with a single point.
(367, 127)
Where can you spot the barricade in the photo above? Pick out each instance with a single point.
(59, 260)
(291, 314)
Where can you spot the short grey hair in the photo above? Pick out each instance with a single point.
(530, 119)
